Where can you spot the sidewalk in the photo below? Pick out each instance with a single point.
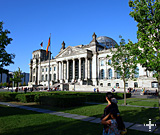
(139, 127)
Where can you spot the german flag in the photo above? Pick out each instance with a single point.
(48, 46)
(41, 44)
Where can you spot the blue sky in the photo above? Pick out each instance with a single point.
(71, 21)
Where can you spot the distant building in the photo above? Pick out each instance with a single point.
(6, 78)
(86, 65)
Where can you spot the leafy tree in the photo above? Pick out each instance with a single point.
(4, 84)
(10, 84)
(147, 14)
(7, 85)
(123, 63)
(17, 76)
(5, 58)
(24, 84)
(20, 84)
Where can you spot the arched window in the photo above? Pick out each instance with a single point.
(109, 73)
(109, 62)
(102, 74)
(54, 76)
(118, 74)
(136, 75)
(46, 78)
(102, 62)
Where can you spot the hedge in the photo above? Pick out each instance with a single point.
(25, 98)
(62, 100)
(34, 96)
(8, 96)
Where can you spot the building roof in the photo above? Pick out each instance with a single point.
(106, 41)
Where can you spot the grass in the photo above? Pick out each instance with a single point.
(140, 102)
(17, 121)
(129, 114)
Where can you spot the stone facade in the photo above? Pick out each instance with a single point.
(84, 64)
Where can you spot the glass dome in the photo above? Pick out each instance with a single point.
(106, 41)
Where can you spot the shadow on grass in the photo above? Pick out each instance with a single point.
(8, 111)
(138, 115)
(45, 124)
(58, 126)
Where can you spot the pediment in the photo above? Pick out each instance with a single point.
(69, 51)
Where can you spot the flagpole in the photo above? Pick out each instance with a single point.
(49, 65)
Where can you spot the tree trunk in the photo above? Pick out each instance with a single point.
(124, 92)
(159, 90)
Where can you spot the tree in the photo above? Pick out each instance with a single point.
(123, 63)
(20, 84)
(5, 58)
(4, 84)
(24, 84)
(17, 76)
(147, 14)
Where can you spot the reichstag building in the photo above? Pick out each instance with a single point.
(84, 66)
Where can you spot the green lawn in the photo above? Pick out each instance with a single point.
(129, 114)
(140, 102)
(16, 121)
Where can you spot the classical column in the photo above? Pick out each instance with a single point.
(86, 68)
(79, 79)
(73, 78)
(62, 70)
(89, 68)
(30, 74)
(67, 70)
(57, 74)
(39, 73)
(36, 75)
(99, 68)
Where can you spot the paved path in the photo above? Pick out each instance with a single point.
(139, 127)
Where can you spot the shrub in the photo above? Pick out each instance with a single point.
(25, 98)
(62, 100)
(8, 96)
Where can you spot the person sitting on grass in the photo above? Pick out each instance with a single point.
(112, 126)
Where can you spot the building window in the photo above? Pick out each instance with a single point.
(135, 84)
(102, 62)
(54, 68)
(109, 84)
(33, 78)
(126, 84)
(109, 62)
(42, 77)
(50, 68)
(101, 84)
(46, 69)
(54, 76)
(102, 74)
(50, 77)
(110, 74)
(136, 75)
(118, 74)
(154, 84)
(117, 84)
(46, 77)
(42, 69)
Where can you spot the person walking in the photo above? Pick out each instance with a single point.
(112, 128)
(112, 104)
